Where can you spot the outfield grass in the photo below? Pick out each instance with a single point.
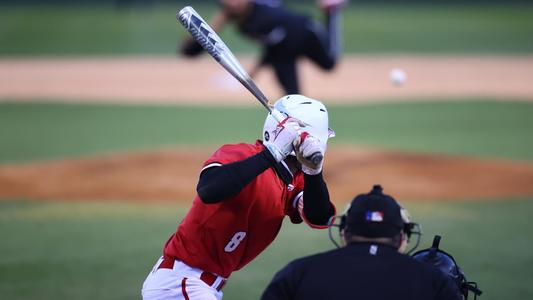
(45, 131)
(501, 129)
(104, 250)
(102, 30)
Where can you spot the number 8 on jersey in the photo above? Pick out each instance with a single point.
(235, 241)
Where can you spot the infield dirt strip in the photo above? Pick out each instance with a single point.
(171, 175)
(203, 81)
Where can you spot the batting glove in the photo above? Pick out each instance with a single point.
(306, 146)
(282, 139)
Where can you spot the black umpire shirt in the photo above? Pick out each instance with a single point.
(360, 271)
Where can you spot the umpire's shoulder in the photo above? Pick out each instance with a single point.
(295, 270)
(416, 266)
(312, 260)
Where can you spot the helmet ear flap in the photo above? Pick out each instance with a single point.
(269, 127)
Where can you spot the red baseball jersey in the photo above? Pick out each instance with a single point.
(223, 237)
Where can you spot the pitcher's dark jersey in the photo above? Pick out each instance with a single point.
(286, 36)
(274, 25)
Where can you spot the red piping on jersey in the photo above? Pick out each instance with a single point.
(183, 290)
(302, 213)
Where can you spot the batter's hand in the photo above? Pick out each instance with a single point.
(306, 146)
(281, 141)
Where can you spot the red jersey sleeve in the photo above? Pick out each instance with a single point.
(229, 154)
(295, 195)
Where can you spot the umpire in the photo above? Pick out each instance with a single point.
(375, 230)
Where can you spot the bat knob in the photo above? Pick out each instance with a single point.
(316, 158)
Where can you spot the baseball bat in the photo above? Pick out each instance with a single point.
(213, 44)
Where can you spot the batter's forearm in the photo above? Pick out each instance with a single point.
(318, 208)
(219, 183)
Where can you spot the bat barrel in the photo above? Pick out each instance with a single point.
(192, 21)
(213, 44)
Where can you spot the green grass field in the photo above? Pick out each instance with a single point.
(97, 30)
(43, 131)
(103, 250)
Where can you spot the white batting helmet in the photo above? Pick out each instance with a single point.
(311, 112)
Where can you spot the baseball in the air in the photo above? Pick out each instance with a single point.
(397, 76)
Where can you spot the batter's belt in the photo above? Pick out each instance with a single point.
(207, 277)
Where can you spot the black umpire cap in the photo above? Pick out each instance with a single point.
(374, 215)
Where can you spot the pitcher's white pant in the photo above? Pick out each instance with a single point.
(179, 283)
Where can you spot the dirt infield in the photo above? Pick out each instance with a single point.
(203, 81)
(171, 175)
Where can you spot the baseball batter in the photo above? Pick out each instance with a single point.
(243, 194)
(284, 35)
